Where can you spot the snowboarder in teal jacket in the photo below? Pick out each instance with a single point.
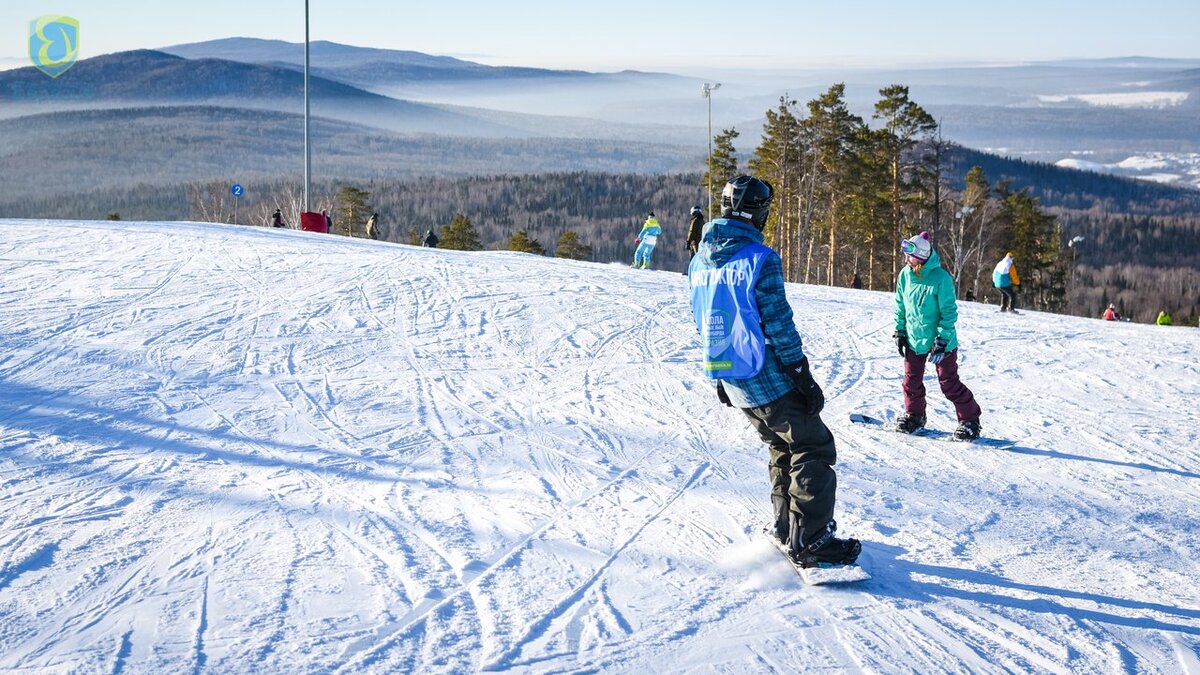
(926, 314)
(646, 241)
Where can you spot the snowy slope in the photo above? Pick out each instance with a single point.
(230, 450)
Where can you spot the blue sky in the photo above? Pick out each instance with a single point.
(677, 35)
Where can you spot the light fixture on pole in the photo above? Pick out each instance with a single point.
(307, 139)
(1074, 246)
(706, 91)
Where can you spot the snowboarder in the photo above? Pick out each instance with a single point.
(754, 353)
(926, 312)
(856, 282)
(1005, 278)
(1111, 314)
(431, 240)
(373, 226)
(277, 219)
(1164, 318)
(646, 240)
(695, 229)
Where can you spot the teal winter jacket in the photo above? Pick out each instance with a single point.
(925, 305)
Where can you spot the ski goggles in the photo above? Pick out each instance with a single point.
(908, 247)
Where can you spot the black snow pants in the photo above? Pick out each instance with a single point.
(801, 468)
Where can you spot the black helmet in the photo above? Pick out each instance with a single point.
(747, 198)
(696, 209)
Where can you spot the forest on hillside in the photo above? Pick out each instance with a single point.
(1140, 263)
(847, 190)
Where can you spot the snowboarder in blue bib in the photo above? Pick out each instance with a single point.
(752, 350)
(646, 241)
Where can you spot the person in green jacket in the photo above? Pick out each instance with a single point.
(1164, 318)
(926, 312)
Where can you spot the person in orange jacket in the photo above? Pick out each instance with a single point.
(1111, 314)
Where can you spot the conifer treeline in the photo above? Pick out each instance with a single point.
(848, 190)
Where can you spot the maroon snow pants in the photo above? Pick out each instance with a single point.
(947, 371)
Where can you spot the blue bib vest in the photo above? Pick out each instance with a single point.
(726, 313)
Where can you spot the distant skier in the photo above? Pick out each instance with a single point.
(1164, 318)
(856, 282)
(926, 312)
(1111, 314)
(277, 219)
(328, 221)
(695, 230)
(373, 226)
(753, 351)
(1005, 279)
(646, 240)
(430, 240)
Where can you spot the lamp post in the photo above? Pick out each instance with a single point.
(962, 214)
(1074, 246)
(307, 139)
(706, 91)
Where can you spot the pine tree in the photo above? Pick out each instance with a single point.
(570, 247)
(722, 167)
(866, 231)
(521, 242)
(777, 160)
(414, 237)
(1035, 240)
(834, 133)
(460, 235)
(904, 124)
(352, 210)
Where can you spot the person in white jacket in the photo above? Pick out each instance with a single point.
(1005, 279)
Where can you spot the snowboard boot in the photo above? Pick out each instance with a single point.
(822, 549)
(910, 423)
(779, 526)
(967, 431)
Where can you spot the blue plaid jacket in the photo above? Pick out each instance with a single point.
(722, 239)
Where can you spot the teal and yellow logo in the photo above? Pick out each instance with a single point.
(53, 43)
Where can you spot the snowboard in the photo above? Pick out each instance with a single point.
(819, 576)
(926, 432)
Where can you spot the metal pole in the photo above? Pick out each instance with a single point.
(307, 138)
(708, 95)
(706, 91)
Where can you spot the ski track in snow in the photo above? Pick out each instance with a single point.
(231, 449)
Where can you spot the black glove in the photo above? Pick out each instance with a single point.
(938, 352)
(806, 386)
(721, 395)
(901, 339)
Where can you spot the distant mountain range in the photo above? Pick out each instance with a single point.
(147, 77)
(386, 112)
(363, 66)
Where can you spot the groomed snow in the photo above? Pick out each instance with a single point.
(229, 449)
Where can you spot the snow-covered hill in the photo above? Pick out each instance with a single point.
(228, 449)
